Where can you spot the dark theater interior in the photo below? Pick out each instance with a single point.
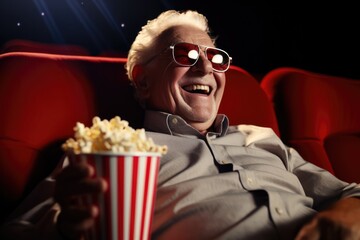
(294, 69)
(259, 38)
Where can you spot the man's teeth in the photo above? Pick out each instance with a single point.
(198, 88)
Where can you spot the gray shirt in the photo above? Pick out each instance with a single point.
(235, 182)
(238, 182)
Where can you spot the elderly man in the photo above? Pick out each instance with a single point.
(216, 181)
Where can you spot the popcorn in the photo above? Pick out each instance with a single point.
(110, 136)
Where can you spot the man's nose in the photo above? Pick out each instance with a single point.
(203, 64)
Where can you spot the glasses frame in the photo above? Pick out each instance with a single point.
(205, 49)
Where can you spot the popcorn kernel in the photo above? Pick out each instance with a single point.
(111, 136)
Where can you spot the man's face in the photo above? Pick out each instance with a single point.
(195, 92)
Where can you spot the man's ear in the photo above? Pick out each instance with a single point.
(140, 81)
(138, 74)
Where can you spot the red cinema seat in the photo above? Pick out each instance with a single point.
(319, 115)
(245, 102)
(42, 96)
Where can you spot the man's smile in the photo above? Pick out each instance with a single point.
(198, 88)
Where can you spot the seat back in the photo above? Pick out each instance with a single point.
(42, 96)
(318, 115)
(245, 102)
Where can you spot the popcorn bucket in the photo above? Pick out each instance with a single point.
(126, 208)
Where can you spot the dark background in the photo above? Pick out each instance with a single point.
(259, 38)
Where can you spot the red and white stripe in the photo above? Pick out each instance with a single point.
(126, 209)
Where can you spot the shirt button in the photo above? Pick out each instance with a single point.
(250, 180)
(279, 211)
(174, 120)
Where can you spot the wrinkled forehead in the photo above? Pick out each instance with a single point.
(184, 33)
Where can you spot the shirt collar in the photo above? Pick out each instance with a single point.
(175, 125)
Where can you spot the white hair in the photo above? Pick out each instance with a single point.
(141, 47)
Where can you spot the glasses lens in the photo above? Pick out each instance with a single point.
(220, 59)
(186, 54)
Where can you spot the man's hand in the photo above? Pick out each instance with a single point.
(341, 221)
(73, 182)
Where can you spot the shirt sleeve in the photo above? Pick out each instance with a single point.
(318, 183)
(36, 216)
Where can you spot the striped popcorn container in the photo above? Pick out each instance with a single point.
(126, 209)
